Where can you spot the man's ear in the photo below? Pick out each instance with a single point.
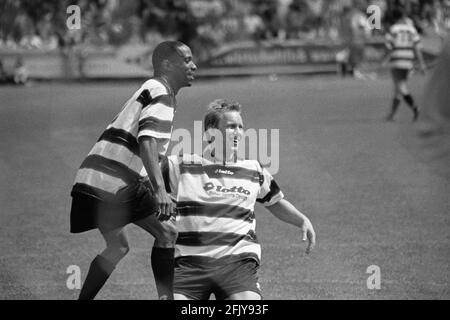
(167, 65)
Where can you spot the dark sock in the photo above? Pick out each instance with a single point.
(98, 273)
(163, 270)
(395, 104)
(410, 101)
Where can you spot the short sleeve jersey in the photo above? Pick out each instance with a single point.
(401, 40)
(114, 161)
(215, 205)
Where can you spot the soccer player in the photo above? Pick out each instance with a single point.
(109, 192)
(217, 250)
(402, 41)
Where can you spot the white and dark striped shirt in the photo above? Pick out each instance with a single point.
(114, 161)
(215, 205)
(400, 41)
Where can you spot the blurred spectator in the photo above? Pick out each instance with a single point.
(354, 32)
(17, 75)
(296, 18)
(441, 20)
(204, 24)
(268, 11)
(282, 12)
(20, 72)
(315, 19)
(253, 25)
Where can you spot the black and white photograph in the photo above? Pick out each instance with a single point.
(248, 151)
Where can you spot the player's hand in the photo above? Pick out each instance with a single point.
(166, 208)
(308, 234)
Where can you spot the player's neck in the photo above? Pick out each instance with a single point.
(171, 84)
(227, 157)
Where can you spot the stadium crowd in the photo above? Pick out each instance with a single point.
(41, 24)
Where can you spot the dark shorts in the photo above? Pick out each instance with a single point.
(399, 74)
(132, 203)
(197, 280)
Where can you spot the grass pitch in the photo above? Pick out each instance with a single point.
(371, 201)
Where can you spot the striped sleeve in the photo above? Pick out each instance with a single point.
(269, 192)
(156, 118)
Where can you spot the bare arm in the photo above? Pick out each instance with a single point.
(419, 56)
(149, 154)
(286, 212)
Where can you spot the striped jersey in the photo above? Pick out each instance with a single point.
(114, 161)
(215, 205)
(401, 40)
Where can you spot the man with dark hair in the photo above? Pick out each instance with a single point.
(109, 192)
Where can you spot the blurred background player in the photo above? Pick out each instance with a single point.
(355, 32)
(403, 44)
(217, 250)
(109, 192)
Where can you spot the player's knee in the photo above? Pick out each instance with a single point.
(403, 89)
(115, 252)
(167, 236)
(120, 250)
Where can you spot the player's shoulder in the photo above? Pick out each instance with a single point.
(251, 164)
(403, 26)
(155, 86)
(396, 27)
(410, 27)
(175, 159)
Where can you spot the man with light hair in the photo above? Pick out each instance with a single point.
(217, 251)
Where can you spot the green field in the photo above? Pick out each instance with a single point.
(371, 201)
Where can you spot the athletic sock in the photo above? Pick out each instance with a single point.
(98, 273)
(395, 104)
(410, 101)
(163, 264)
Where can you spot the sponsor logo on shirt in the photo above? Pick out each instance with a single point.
(221, 171)
(230, 192)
